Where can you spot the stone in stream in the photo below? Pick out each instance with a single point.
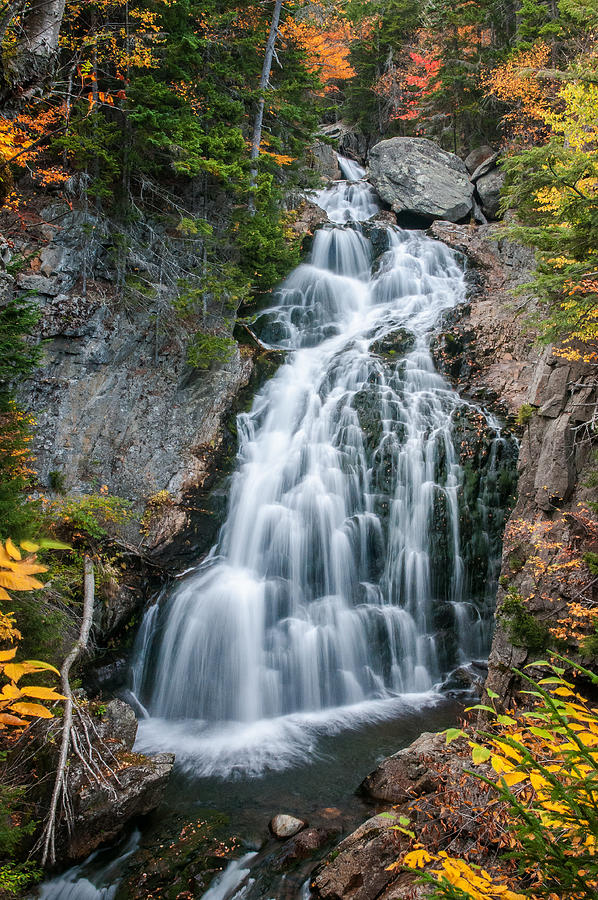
(420, 180)
(283, 826)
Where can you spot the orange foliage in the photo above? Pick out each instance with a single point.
(516, 82)
(326, 45)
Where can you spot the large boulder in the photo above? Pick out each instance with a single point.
(420, 180)
(489, 189)
(358, 869)
(478, 156)
(110, 786)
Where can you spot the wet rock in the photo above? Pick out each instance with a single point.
(397, 343)
(347, 138)
(103, 809)
(325, 161)
(125, 785)
(419, 179)
(489, 189)
(309, 215)
(283, 826)
(408, 773)
(357, 868)
(119, 723)
(306, 844)
(466, 678)
(477, 156)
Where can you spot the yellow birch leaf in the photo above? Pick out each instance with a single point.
(12, 551)
(4, 595)
(10, 691)
(17, 582)
(42, 693)
(33, 709)
(6, 655)
(417, 859)
(513, 778)
(29, 546)
(7, 719)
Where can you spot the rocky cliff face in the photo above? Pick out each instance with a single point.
(492, 352)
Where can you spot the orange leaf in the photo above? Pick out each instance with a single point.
(33, 709)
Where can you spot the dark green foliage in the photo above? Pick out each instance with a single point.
(205, 350)
(18, 357)
(524, 629)
(370, 55)
(565, 239)
(15, 876)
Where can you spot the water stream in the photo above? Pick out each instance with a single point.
(343, 585)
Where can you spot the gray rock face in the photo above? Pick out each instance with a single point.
(419, 179)
(359, 868)
(116, 404)
(489, 188)
(283, 826)
(348, 140)
(553, 465)
(477, 156)
(487, 166)
(325, 160)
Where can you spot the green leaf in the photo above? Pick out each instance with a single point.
(452, 734)
(480, 754)
(492, 694)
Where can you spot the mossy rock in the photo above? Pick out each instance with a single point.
(395, 344)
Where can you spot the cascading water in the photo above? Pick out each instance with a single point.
(356, 564)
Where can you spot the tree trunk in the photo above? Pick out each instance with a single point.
(259, 116)
(36, 49)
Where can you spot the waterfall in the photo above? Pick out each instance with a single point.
(342, 579)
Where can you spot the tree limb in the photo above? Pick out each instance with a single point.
(48, 835)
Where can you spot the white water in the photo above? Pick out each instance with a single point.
(319, 606)
(91, 880)
(233, 882)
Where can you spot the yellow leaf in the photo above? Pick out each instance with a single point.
(42, 693)
(33, 709)
(513, 778)
(11, 691)
(41, 666)
(417, 859)
(14, 671)
(17, 582)
(12, 551)
(6, 655)
(29, 546)
(7, 719)
(3, 594)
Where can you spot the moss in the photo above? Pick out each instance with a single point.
(523, 628)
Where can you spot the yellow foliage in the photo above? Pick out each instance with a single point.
(546, 764)
(15, 706)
